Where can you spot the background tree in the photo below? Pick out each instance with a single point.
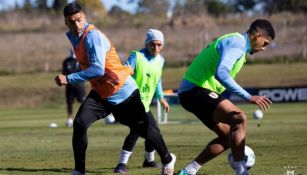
(27, 7)
(242, 5)
(41, 5)
(58, 5)
(194, 7)
(274, 6)
(93, 7)
(216, 8)
(155, 7)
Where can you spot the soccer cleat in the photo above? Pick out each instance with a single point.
(168, 169)
(74, 172)
(152, 164)
(69, 122)
(182, 172)
(121, 169)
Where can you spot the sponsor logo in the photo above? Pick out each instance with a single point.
(290, 94)
(213, 95)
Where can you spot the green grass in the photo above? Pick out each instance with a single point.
(29, 147)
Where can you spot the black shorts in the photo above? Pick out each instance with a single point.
(74, 91)
(202, 103)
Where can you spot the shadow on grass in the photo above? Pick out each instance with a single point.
(63, 170)
(55, 170)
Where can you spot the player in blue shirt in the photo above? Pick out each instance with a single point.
(113, 89)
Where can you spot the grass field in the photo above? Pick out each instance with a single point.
(29, 147)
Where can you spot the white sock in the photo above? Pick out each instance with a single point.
(124, 156)
(150, 156)
(192, 168)
(240, 168)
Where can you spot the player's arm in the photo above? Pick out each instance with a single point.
(131, 61)
(159, 91)
(230, 84)
(97, 46)
(160, 96)
(230, 51)
(222, 74)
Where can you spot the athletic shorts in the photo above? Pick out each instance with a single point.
(202, 103)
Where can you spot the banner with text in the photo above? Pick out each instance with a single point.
(275, 94)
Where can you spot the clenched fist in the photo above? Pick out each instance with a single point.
(61, 80)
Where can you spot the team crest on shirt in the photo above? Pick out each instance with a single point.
(213, 95)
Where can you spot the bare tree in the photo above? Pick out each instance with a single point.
(93, 7)
(155, 7)
(58, 5)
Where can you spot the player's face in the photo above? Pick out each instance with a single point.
(259, 42)
(75, 23)
(154, 47)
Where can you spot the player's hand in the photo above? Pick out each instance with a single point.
(262, 101)
(164, 104)
(61, 80)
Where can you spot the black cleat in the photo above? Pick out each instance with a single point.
(121, 169)
(151, 164)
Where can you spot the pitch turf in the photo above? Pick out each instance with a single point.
(29, 147)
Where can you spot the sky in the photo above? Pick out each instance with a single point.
(107, 3)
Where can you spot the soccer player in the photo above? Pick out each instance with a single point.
(113, 89)
(72, 91)
(210, 73)
(147, 64)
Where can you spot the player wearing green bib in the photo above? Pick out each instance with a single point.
(210, 73)
(147, 64)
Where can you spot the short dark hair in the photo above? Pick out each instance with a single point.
(72, 8)
(264, 25)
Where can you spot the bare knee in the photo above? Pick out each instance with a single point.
(238, 119)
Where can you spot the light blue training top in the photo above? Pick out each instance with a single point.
(150, 58)
(230, 50)
(97, 46)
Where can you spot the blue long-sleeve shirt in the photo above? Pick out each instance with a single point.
(97, 46)
(230, 50)
(131, 61)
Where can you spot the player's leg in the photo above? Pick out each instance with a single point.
(214, 148)
(230, 133)
(129, 144)
(226, 112)
(69, 94)
(231, 130)
(149, 148)
(80, 92)
(202, 103)
(132, 113)
(92, 109)
(126, 151)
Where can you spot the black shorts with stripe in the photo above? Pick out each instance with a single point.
(202, 103)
